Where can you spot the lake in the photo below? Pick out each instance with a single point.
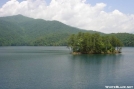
(30, 67)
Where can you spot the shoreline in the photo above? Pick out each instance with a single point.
(77, 53)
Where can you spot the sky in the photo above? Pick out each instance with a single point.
(108, 16)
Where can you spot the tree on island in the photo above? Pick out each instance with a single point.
(87, 43)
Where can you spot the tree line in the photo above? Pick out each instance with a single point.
(126, 38)
(94, 43)
(36, 32)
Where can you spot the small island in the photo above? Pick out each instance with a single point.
(86, 43)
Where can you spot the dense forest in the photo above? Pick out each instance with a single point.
(126, 38)
(19, 30)
(94, 43)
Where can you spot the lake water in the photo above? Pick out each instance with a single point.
(55, 68)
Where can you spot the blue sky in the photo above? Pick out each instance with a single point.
(108, 16)
(125, 6)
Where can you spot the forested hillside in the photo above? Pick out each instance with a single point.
(20, 31)
(10, 34)
(126, 38)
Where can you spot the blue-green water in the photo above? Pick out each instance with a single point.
(55, 68)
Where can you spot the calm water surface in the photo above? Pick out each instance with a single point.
(55, 68)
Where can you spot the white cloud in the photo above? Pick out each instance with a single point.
(76, 13)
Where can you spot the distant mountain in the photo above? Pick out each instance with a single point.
(10, 33)
(126, 38)
(20, 30)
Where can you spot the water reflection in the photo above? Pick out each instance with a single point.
(95, 70)
(55, 68)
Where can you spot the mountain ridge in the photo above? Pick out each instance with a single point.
(19, 30)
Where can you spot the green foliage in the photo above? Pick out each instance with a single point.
(126, 38)
(20, 30)
(94, 43)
